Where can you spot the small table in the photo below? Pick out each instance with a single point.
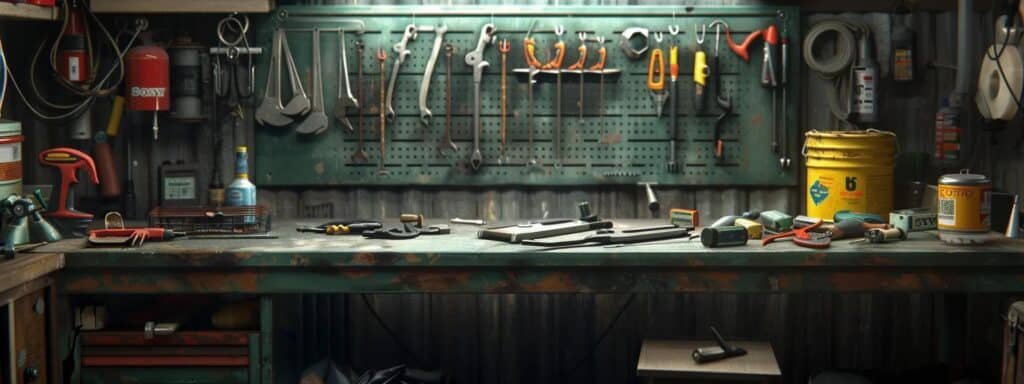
(670, 361)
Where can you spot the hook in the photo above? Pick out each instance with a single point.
(659, 36)
(703, 32)
(673, 29)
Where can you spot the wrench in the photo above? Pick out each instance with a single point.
(382, 56)
(425, 113)
(475, 59)
(270, 110)
(556, 64)
(317, 121)
(504, 47)
(299, 104)
(359, 156)
(345, 98)
(448, 143)
(401, 53)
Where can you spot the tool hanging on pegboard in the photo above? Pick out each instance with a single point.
(519, 138)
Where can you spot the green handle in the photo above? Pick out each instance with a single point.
(39, 197)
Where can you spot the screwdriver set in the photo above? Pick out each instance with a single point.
(527, 96)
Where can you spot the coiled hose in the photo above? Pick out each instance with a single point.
(837, 68)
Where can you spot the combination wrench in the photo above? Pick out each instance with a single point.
(401, 53)
(299, 104)
(475, 59)
(345, 97)
(425, 113)
(448, 144)
(359, 156)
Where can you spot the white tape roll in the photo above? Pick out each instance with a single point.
(993, 98)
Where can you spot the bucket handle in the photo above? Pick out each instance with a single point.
(803, 149)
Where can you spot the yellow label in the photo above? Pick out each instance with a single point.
(964, 208)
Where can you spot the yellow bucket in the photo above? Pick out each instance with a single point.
(849, 170)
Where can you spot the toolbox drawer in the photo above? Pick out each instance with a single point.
(165, 375)
(182, 357)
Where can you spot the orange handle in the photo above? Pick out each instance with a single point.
(556, 63)
(110, 181)
(156, 234)
(673, 62)
(741, 49)
(602, 54)
(656, 71)
(68, 161)
(529, 53)
(582, 60)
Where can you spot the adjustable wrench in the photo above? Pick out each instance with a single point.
(401, 53)
(317, 120)
(475, 59)
(425, 113)
(299, 104)
(270, 110)
(345, 98)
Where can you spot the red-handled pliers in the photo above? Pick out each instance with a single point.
(803, 237)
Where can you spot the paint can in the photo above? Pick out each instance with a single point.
(964, 208)
(849, 171)
(10, 157)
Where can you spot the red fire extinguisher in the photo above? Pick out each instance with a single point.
(73, 60)
(147, 79)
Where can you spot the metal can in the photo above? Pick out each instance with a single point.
(964, 208)
(10, 158)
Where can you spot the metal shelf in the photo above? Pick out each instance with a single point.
(182, 6)
(27, 11)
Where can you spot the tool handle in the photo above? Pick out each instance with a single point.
(673, 62)
(556, 63)
(110, 180)
(68, 161)
(582, 61)
(529, 53)
(656, 70)
(700, 78)
(602, 55)
(741, 50)
(154, 234)
(116, 111)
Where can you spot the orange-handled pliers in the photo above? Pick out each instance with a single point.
(530, 50)
(656, 74)
(582, 61)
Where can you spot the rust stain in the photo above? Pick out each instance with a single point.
(319, 168)
(757, 119)
(880, 260)
(299, 260)
(356, 273)
(815, 259)
(364, 258)
(434, 281)
(553, 282)
(413, 258)
(723, 279)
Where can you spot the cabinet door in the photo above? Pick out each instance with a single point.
(27, 321)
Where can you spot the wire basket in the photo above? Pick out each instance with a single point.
(197, 221)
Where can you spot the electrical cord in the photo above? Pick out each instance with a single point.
(839, 67)
(604, 334)
(391, 333)
(995, 56)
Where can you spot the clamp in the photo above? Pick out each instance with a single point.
(625, 42)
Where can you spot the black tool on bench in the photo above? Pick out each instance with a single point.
(536, 229)
(617, 236)
(341, 227)
(722, 351)
(407, 231)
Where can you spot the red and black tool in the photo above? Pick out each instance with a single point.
(68, 161)
(803, 237)
(132, 237)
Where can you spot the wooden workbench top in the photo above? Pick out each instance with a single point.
(26, 267)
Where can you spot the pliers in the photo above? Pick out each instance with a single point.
(803, 237)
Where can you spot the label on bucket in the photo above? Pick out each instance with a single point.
(964, 208)
(10, 152)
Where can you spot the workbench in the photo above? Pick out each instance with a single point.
(460, 262)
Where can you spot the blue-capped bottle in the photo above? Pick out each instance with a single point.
(241, 192)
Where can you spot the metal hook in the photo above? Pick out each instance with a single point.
(703, 32)
(659, 36)
(559, 30)
(673, 29)
(582, 36)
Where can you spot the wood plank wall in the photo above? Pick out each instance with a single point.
(537, 338)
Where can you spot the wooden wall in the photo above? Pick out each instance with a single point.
(537, 338)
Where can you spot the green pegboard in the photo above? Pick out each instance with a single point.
(620, 140)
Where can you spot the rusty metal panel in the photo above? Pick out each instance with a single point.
(589, 156)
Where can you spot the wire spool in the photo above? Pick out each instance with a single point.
(836, 68)
(1001, 76)
(187, 89)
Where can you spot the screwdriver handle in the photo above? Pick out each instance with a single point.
(673, 62)
(529, 53)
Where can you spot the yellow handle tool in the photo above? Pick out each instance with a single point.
(656, 71)
(116, 111)
(529, 53)
(673, 62)
(700, 68)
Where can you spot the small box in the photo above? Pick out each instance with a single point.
(684, 218)
(754, 229)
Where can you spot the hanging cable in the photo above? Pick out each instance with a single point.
(837, 68)
(3, 75)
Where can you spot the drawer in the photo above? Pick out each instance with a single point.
(165, 375)
(181, 357)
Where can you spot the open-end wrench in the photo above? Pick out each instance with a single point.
(448, 144)
(425, 113)
(317, 120)
(270, 110)
(345, 97)
(475, 59)
(401, 53)
(359, 156)
(504, 47)
(382, 56)
(299, 104)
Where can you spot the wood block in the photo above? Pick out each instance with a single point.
(672, 359)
